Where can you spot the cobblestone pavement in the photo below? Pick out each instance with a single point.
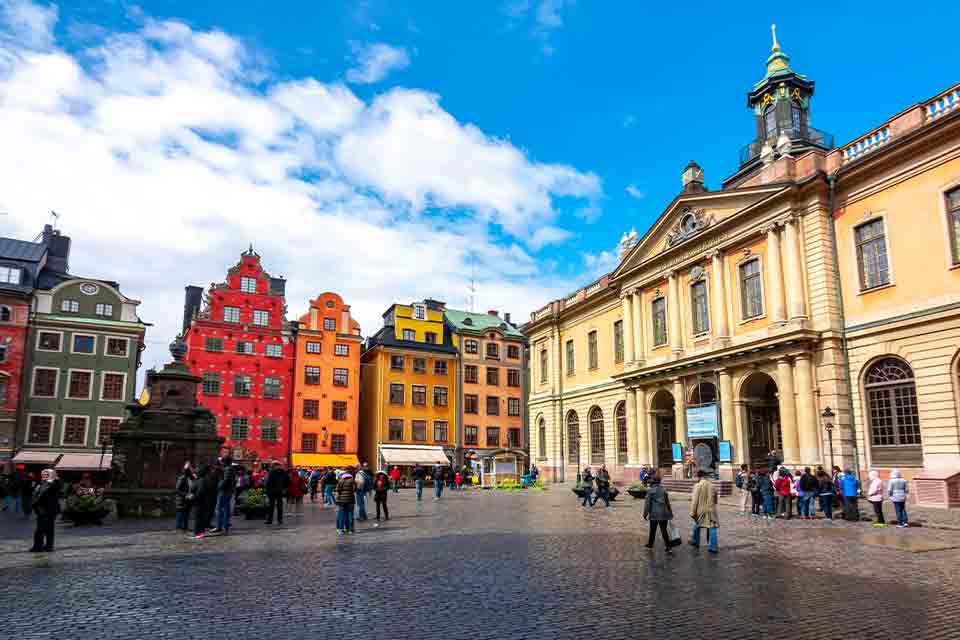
(482, 565)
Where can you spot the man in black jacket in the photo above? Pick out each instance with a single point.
(225, 490)
(603, 486)
(46, 502)
(276, 485)
(419, 475)
(809, 487)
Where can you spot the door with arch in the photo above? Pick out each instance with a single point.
(665, 425)
(759, 393)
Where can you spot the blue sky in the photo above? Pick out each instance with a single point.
(389, 149)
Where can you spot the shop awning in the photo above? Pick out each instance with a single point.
(36, 457)
(336, 460)
(84, 462)
(406, 455)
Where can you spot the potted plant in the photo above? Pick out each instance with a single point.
(637, 490)
(86, 507)
(582, 486)
(254, 504)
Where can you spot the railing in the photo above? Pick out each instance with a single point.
(808, 135)
(942, 105)
(865, 145)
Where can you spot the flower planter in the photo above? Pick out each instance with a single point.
(253, 513)
(638, 494)
(614, 492)
(79, 518)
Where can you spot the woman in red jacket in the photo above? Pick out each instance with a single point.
(395, 478)
(784, 487)
(295, 491)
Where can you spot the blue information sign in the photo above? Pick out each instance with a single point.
(677, 452)
(702, 421)
(726, 454)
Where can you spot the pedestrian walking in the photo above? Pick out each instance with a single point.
(438, 481)
(363, 482)
(315, 476)
(202, 491)
(587, 484)
(783, 484)
(276, 485)
(767, 492)
(184, 500)
(826, 490)
(875, 497)
(295, 491)
(742, 480)
(657, 510)
(603, 486)
(850, 489)
(419, 475)
(395, 478)
(345, 497)
(703, 510)
(6, 490)
(807, 489)
(753, 488)
(225, 491)
(46, 502)
(329, 484)
(898, 489)
(381, 488)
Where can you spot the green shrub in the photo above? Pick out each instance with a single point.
(254, 498)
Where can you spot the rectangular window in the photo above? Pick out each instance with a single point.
(699, 307)
(440, 430)
(261, 318)
(103, 309)
(593, 356)
(872, 254)
(409, 335)
(269, 430)
(395, 431)
(658, 312)
(211, 383)
(113, 386)
(513, 377)
(471, 346)
(338, 443)
(470, 435)
(70, 306)
(79, 387)
(117, 347)
(339, 410)
(493, 406)
(273, 350)
(419, 430)
(329, 324)
(311, 375)
(341, 349)
(439, 396)
(470, 374)
(751, 292)
(271, 388)
(571, 364)
(418, 395)
(953, 222)
(45, 382)
(107, 427)
(419, 365)
(84, 344)
(308, 442)
(242, 385)
(513, 438)
(244, 347)
(440, 368)
(311, 409)
(40, 429)
(493, 436)
(543, 366)
(471, 403)
(48, 341)
(396, 363)
(513, 406)
(9, 275)
(74, 431)
(340, 377)
(314, 347)
(618, 341)
(239, 428)
(231, 315)
(213, 345)
(493, 350)
(430, 337)
(419, 312)
(513, 352)
(396, 393)
(493, 376)
(248, 285)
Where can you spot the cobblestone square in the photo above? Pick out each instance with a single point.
(481, 565)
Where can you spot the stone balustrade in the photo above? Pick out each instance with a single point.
(943, 104)
(867, 144)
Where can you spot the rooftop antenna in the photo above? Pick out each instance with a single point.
(472, 288)
(54, 218)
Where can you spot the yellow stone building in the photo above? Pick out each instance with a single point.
(810, 306)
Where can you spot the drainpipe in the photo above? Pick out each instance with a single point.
(832, 181)
(564, 436)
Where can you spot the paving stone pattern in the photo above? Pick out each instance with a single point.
(479, 565)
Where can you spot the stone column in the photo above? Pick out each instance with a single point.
(631, 426)
(743, 432)
(643, 427)
(788, 412)
(807, 418)
(627, 324)
(795, 302)
(676, 339)
(727, 414)
(638, 326)
(680, 410)
(778, 308)
(718, 296)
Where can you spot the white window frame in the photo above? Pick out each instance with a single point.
(93, 382)
(763, 289)
(103, 305)
(267, 347)
(263, 312)
(39, 348)
(100, 420)
(403, 429)
(314, 342)
(706, 288)
(65, 300)
(276, 426)
(103, 378)
(83, 335)
(433, 400)
(419, 311)
(330, 321)
(243, 280)
(403, 335)
(63, 430)
(53, 427)
(10, 269)
(867, 219)
(230, 306)
(106, 344)
(56, 383)
(345, 347)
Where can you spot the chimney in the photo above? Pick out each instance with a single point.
(278, 286)
(436, 305)
(192, 299)
(58, 250)
(506, 318)
(494, 313)
(693, 178)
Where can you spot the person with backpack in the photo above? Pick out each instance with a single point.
(276, 485)
(753, 488)
(741, 482)
(657, 510)
(345, 497)
(898, 488)
(850, 489)
(419, 475)
(363, 483)
(807, 489)
(381, 488)
(438, 472)
(225, 490)
(826, 491)
(603, 486)
(587, 484)
(767, 492)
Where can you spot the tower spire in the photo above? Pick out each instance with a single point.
(776, 45)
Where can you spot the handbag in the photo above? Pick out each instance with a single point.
(675, 539)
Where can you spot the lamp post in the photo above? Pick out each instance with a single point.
(828, 416)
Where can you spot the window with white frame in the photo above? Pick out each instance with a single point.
(419, 312)
(70, 306)
(329, 324)
(117, 347)
(48, 341)
(261, 318)
(231, 315)
(75, 431)
(409, 335)
(245, 347)
(699, 307)
(211, 383)
(9, 275)
(40, 429)
(113, 386)
(872, 265)
(105, 430)
(273, 350)
(248, 284)
(269, 430)
(84, 343)
(314, 347)
(340, 377)
(242, 385)
(79, 383)
(471, 346)
(341, 349)
(271, 388)
(103, 309)
(239, 428)
(213, 345)
(751, 289)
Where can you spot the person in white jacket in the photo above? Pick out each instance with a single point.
(875, 497)
(897, 489)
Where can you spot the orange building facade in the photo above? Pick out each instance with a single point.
(326, 385)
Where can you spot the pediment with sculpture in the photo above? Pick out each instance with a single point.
(692, 221)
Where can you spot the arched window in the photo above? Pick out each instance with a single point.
(5, 314)
(542, 438)
(573, 437)
(620, 419)
(892, 410)
(596, 436)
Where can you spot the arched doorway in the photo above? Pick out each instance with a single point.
(759, 395)
(703, 399)
(891, 395)
(664, 421)
(620, 419)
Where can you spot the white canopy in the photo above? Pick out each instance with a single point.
(84, 462)
(36, 457)
(410, 454)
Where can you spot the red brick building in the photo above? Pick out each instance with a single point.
(240, 344)
(14, 311)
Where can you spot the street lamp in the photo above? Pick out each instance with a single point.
(828, 417)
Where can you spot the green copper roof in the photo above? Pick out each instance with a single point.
(778, 63)
(479, 322)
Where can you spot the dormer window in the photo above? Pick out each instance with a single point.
(9, 275)
(248, 285)
(419, 312)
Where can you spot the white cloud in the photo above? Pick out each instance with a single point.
(629, 121)
(598, 264)
(165, 161)
(636, 191)
(546, 16)
(372, 62)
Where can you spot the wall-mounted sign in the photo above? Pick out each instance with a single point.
(677, 452)
(702, 421)
(725, 451)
